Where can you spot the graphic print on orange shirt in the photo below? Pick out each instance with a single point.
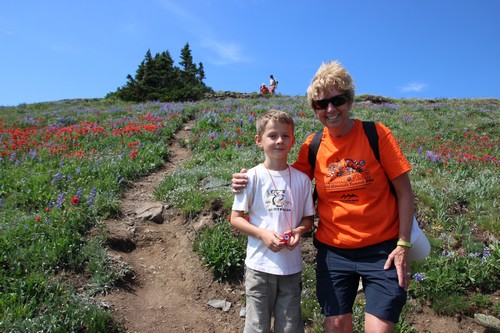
(347, 175)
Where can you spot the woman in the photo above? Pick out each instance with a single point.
(363, 230)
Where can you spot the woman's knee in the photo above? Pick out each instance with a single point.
(339, 324)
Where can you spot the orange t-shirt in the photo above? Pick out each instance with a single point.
(355, 205)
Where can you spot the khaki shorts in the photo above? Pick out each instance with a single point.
(268, 294)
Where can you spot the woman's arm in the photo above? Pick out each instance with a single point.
(400, 255)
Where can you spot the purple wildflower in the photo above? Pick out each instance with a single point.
(60, 200)
(418, 277)
(434, 157)
(79, 193)
(407, 118)
(486, 252)
(91, 197)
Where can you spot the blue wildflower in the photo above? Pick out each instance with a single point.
(434, 157)
(60, 200)
(418, 277)
(91, 197)
(486, 252)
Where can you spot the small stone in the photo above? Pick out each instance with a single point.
(220, 304)
(487, 321)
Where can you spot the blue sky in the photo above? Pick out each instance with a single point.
(61, 49)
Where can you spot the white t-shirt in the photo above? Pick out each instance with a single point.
(275, 201)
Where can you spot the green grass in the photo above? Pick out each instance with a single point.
(52, 153)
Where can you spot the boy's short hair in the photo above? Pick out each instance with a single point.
(274, 116)
(330, 75)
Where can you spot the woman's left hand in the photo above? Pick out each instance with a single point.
(402, 262)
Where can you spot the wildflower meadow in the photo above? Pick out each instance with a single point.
(64, 165)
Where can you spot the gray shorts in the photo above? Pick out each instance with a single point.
(268, 294)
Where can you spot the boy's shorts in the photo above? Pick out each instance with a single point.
(268, 294)
(338, 273)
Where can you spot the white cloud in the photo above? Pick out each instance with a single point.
(6, 32)
(413, 87)
(172, 7)
(226, 52)
(61, 48)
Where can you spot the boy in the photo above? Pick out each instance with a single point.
(279, 203)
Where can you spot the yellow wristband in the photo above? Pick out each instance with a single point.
(403, 243)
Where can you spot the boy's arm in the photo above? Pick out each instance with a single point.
(304, 226)
(270, 238)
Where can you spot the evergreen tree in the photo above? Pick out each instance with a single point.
(189, 69)
(157, 79)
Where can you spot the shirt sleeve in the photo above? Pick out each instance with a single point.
(302, 162)
(392, 158)
(243, 200)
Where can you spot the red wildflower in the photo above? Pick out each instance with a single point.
(133, 144)
(38, 219)
(74, 201)
(133, 154)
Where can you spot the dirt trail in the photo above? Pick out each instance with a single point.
(171, 287)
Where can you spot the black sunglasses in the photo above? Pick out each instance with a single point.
(321, 104)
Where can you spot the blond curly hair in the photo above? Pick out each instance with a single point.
(330, 75)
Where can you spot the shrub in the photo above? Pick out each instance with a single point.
(222, 249)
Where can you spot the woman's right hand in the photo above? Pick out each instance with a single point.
(239, 181)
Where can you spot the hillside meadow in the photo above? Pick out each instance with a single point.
(64, 165)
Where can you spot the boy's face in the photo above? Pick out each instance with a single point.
(277, 139)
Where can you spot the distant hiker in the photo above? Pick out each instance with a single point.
(273, 83)
(263, 89)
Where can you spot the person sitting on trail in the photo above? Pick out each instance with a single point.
(273, 84)
(263, 89)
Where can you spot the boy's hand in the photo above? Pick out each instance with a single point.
(294, 239)
(239, 181)
(272, 240)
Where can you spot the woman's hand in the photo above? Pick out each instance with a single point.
(239, 181)
(401, 259)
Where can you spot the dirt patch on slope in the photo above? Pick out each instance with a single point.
(171, 288)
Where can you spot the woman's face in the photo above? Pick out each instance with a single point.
(332, 109)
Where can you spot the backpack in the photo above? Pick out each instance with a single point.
(371, 134)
